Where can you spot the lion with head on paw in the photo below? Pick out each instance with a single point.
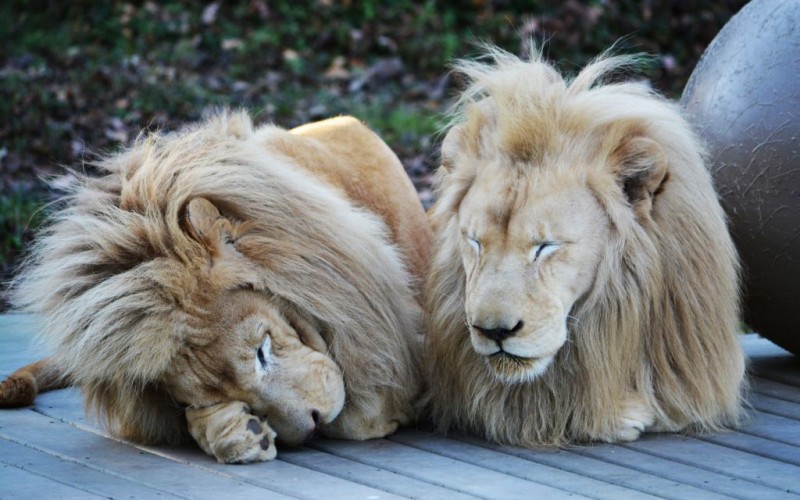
(235, 284)
(584, 286)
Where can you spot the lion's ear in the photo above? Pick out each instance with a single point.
(206, 224)
(309, 335)
(642, 170)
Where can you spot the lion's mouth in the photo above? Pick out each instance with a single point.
(515, 369)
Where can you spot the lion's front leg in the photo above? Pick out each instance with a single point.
(635, 417)
(231, 434)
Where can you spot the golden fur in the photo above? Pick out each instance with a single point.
(584, 285)
(257, 278)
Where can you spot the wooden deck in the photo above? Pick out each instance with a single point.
(53, 449)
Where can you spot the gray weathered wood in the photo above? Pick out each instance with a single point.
(755, 471)
(723, 485)
(55, 448)
(775, 427)
(73, 474)
(776, 390)
(446, 472)
(509, 464)
(757, 446)
(603, 469)
(116, 459)
(17, 483)
(364, 474)
(771, 362)
(775, 406)
(275, 476)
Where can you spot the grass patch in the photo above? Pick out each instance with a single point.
(85, 76)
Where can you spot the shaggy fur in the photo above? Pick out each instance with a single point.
(126, 285)
(651, 342)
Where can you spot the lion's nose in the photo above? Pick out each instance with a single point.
(499, 334)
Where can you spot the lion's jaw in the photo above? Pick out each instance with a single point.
(527, 262)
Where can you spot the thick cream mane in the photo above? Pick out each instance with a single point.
(662, 315)
(116, 264)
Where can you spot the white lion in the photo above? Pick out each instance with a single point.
(584, 285)
(235, 282)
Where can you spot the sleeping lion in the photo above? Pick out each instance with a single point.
(583, 284)
(235, 284)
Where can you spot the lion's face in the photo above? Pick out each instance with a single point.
(240, 344)
(248, 350)
(530, 246)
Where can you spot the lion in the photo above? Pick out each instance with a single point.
(236, 285)
(583, 286)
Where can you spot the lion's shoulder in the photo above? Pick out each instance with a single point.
(348, 156)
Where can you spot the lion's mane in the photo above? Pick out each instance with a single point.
(662, 315)
(115, 265)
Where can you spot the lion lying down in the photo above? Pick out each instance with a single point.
(583, 285)
(235, 283)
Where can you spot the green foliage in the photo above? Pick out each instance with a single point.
(80, 76)
(20, 215)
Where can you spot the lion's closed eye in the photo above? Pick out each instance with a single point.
(542, 250)
(263, 353)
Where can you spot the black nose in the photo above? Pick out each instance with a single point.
(499, 334)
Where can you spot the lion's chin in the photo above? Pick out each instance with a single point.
(511, 369)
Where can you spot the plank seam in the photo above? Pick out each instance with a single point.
(610, 459)
(319, 449)
(51, 478)
(701, 467)
(773, 377)
(88, 466)
(733, 446)
(99, 432)
(404, 474)
(488, 446)
(511, 474)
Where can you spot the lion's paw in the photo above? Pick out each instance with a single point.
(230, 433)
(636, 417)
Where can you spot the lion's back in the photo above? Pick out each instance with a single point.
(347, 155)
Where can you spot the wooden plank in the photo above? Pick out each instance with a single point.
(17, 345)
(756, 445)
(508, 464)
(18, 483)
(771, 362)
(73, 474)
(119, 459)
(375, 477)
(65, 405)
(62, 405)
(443, 471)
(276, 475)
(775, 427)
(763, 476)
(711, 482)
(758, 347)
(18, 326)
(604, 470)
(776, 389)
(775, 406)
(279, 476)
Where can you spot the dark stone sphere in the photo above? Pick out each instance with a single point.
(744, 100)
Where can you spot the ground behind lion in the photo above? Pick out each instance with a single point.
(83, 78)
